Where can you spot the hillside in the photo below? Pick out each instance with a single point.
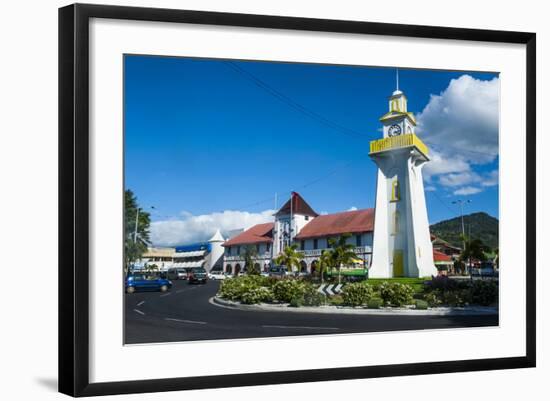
(480, 225)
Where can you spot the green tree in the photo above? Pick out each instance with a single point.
(136, 227)
(325, 262)
(475, 249)
(289, 258)
(342, 253)
(249, 255)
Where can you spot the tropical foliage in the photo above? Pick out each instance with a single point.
(289, 258)
(342, 253)
(136, 229)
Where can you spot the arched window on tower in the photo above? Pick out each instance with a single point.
(394, 105)
(395, 195)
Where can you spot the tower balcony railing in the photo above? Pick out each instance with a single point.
(398, 142)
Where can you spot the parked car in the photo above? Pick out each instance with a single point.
(278, 271)
(177, 273)
(146, 282)
(197, 275)
(217, 275)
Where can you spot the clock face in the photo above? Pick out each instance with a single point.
(394, 130)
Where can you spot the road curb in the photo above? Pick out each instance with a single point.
(346, 310)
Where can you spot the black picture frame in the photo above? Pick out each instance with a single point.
(74, 198)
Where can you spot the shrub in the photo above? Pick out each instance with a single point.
(484, 292)
(420, 304)
(357, 294)
(374, 303)
(296, 302)
(257, 295)
(456, 297)
(287, 289)
(312, 297)
(396, 294)
(432, 299)
(444, 283)
(234, 288)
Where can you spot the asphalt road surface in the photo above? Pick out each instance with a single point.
(185, 314)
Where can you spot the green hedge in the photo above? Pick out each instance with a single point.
(357, 294)
(396, 294)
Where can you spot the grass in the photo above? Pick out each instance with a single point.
(416, 283)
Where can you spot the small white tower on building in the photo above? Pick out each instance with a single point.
(215, 257)
(401, 245)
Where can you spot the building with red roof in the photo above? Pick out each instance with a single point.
(296, 222)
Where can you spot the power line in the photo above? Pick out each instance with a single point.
(293, 104)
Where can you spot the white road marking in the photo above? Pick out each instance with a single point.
(184, 321)
(138, 311)
(165, 295)
(141, 303)
(267, 326)
(180, 291)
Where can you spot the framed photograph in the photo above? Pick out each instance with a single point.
(251, 199)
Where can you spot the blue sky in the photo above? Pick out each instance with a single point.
(209, 142)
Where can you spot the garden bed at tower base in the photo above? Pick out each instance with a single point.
(331, 309)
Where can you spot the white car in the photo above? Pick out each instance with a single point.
(217, 275)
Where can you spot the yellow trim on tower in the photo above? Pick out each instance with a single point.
(398, 142)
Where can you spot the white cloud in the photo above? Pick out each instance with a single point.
(190, 228)
(459, 179)
(460, 126)
(352, 209)
(491, 179)
(463, 120)
(440, 164)
(430, 188)
(467, 191)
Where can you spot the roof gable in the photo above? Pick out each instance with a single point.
(299, 206)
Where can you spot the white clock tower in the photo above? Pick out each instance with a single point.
(401, 245)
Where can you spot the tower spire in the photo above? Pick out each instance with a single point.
(397, 79)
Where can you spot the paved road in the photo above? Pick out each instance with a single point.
(185, 313)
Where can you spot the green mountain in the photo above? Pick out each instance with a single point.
(479, 226)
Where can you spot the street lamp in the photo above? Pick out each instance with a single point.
(461, 202)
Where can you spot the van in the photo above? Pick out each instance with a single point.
(177, 273)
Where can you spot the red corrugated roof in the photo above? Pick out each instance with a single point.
(441, 257)
(257, 234)
(299, 206)
(356, 221)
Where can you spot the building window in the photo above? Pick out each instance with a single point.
(307, 218)
(358, 241)
(315, 243)
(258, 248)
(302, 245)
(268, 247)
(395, 190)
(238, 250)
(229, 250)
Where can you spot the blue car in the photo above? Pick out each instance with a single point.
(146, 282)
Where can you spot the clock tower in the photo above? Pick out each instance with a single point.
(401, 245)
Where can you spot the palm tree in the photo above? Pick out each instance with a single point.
(325, 261)
(250, 254)
(137, 223)
(342, 253)
(289, 258)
